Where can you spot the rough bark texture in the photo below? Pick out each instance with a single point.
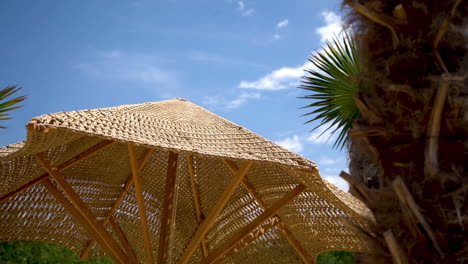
(410, 148)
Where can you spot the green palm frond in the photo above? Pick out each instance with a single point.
(6, 104)
(334, 86)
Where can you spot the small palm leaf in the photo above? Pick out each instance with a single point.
(7, 105)
(334, 88)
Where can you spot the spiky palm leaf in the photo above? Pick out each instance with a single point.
(6, 104)
(333, 87)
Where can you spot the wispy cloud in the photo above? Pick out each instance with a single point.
(280, 79)
(282, 23)
(333, 26)
(337, 181)
(277, 36)
(233, 103)
(109, 54)
(207, 57)
(292, 143)
(244, 10)
(142, 69)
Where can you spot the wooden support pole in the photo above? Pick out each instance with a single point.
(211, 218)
(80, 211)
(286, 233)
(83, 155)
(117, 202)
(238, 236)
(124, 241)
(196, 200)
(168, 213)
(141, 203)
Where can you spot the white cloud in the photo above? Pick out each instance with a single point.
(282, 24)
(243, 9)
(276, 36)
(323, 136)
(280, 79)
(292, 143)
(338, 182)
(333, 26)
(221, 102)
(328, 161)
(288, 77)
(241, 6)
(243, 97)
(333, 170)
(248, 12)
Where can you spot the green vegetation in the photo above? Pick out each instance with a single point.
(336, 257)
(7, 105)
(334, 85)
(38, 252)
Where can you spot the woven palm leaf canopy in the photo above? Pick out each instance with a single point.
(170, 182)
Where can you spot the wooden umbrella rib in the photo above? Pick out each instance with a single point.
(270, 212)
(168, 213)
(118, 201)
(124, 240)
(196, 200)
(211, 218)
(249, 239)
(83, 155)
(141, 203)
(286, 233)
(109, 215)
(80, 210)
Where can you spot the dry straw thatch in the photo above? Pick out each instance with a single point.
(170, 182)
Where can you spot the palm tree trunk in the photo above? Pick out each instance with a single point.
(410, 146)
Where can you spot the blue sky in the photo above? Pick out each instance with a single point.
(240, 59)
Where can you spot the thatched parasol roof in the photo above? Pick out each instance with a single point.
(170, 182)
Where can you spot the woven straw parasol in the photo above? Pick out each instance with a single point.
(170, 182)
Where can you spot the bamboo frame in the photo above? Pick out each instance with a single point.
(275, 222)
(124, 241)
(141, 203)
(83, 155)
(211, 218)
(249, 228)
(168, 212)
(196, 200)
(79, 210)
(117, 202)
(286, 233)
